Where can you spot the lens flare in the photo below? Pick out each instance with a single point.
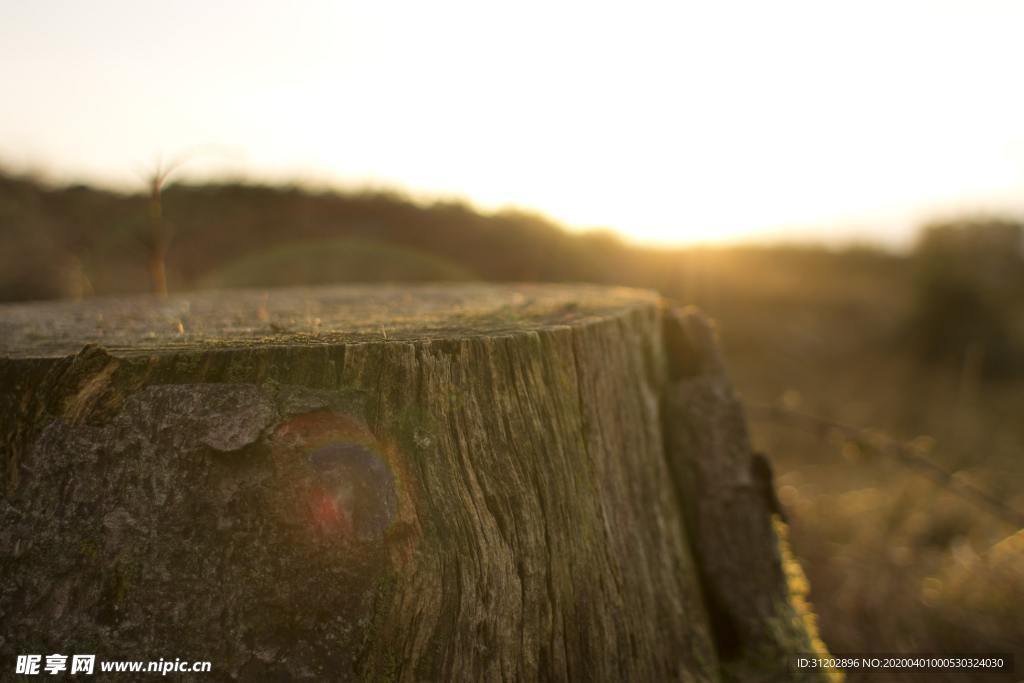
(348, 486)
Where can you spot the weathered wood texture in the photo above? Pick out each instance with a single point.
(443, 483)
(752, 586)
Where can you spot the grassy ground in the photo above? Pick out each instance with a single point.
(896, 563)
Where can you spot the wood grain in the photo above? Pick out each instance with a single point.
(389, 483)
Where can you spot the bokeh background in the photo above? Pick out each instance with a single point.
(840, 187)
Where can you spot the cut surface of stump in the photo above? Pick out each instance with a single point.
(466, 482)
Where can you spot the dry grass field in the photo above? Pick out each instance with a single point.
(897, 563)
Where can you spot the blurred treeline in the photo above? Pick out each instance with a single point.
(925, 347)
(75, 241)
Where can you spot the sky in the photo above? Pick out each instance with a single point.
(670, 122)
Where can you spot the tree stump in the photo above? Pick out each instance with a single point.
(438, 483)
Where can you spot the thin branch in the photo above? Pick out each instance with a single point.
(901, 452)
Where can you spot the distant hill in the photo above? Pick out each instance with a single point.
(77, 241)
(69, 241)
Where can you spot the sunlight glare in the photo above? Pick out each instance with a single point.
(667, 122)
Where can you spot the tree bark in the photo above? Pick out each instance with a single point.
(754, 589)
(441, 483)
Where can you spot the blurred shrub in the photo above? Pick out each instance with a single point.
(967, 286)
(985, 591)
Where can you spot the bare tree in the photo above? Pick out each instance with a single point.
(160, 232)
